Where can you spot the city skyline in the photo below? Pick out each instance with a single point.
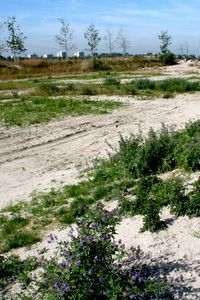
(142, 23)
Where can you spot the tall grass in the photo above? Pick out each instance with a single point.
(40, 67)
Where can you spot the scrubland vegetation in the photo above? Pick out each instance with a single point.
(131, 175)
(93, 265)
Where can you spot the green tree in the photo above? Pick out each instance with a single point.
(64, 39)
(16, 38)
(93, 38)
(165, 39)
(166, 56)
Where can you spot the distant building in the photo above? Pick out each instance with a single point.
(79, 54)
(48, 56)
(32, 55)
(61, 54)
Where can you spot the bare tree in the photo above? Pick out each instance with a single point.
(64, 39)
(93, 38)
(2, 43)
(110, 41)
(123, 41)
(16, 38)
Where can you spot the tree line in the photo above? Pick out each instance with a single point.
(15, 41)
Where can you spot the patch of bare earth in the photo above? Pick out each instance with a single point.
(39, 157)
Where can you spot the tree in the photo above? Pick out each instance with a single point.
(109, 40)
(165, 39)
(16, 38)
(2, 44)
(64, 39)
(166, 56)
(123, 41)
(93, 38)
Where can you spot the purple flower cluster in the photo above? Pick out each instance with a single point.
(95, 266)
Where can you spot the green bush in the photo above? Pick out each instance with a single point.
(100, 65)
(111, 81)
(155, 154)
(49, 88)
(151, 219)
(142, 190)
(193, 203)
(145, 84)
(12, 269)
(86, 90)
(168, 59)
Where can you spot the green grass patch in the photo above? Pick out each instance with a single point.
(17, 85)
(166, 87)
(14, 233)
(34, 110)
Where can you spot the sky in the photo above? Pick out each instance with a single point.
(141, 21)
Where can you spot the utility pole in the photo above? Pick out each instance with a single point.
(181, 49)
(186, 45)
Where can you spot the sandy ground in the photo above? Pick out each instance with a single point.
(40, 157)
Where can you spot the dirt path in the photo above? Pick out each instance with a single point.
(37, 158)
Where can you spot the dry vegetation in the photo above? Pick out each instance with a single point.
(42, 67)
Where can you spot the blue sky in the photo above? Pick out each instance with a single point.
(142, 20)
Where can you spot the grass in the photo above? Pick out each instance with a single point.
(111, 85)
(98, 83)
(34, 110)
(16, 232)
(17, 85)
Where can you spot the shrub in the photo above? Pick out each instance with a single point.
(70, 86)
(168, 59)
(177, 197)
(49, 88)
(144, 84)
(93, 266)
(193, 203)
(130, 88)
(111, 81)
(12, 268)
(155, 154)
(86, 90)
(151, 220)
(100, 65)
(142, 190)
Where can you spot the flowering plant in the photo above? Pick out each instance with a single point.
(93, 266)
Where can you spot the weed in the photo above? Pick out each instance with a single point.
(70, 86)
(19, 239)
(49, 88)
(12, 268)
(86, 90)
(193, 203)
(111, 81)
(13, 234)
(151, 219)
(15, 94)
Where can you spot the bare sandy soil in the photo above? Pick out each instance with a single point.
(40, 157)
